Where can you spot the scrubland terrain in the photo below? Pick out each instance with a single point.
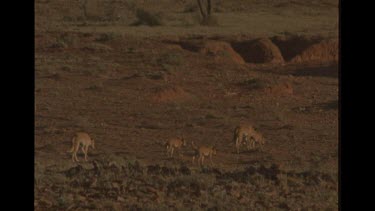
(101, 68)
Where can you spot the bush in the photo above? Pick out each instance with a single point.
(147, 18)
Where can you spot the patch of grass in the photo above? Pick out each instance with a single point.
(67, 38)
(218, 190)
(253, 84)
(168, 68)
(65, 200)
(105, 37)
(38, 174)
(156, 76)
(64, 40)
(98, 47)
(51, 130)
(59, 44)
(171, 59)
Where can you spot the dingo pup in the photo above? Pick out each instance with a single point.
(174, 143)
(202, 152)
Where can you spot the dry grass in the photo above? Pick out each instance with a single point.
(105, 80)
(145, 17)
(254, 17)
(120, 181)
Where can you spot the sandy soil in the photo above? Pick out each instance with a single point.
(131, 88)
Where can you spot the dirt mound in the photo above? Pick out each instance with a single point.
(284, 88)
(170, 94)
(324, 51)
(261, 50)
(291, 46)
(218, 49)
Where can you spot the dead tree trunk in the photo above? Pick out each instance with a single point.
(205, 10)
(83, 6)
(208, 7)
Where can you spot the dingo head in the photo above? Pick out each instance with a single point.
(259, 137)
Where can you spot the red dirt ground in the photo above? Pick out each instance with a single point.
(131, 92)
(114, 94)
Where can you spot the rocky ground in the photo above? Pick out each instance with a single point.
(133, 87)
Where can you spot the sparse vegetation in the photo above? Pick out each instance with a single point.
(253, 84)
(64, 41)
(189, 8)
(115, 179)
(208, 19)
(105, 37)
(132, 88)
(171, 59)
(170, 62)
(83, 7)
(59, 44)
(97, 47)
(147, 18)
